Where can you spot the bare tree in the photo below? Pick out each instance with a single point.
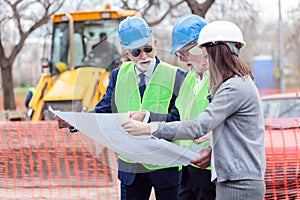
(155, 11)
(19, 19)
(292, 39)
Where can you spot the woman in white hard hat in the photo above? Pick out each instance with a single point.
(234, 116)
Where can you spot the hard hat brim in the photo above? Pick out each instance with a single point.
(137, 44)
(174, 49)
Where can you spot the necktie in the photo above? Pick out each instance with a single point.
(142, 84)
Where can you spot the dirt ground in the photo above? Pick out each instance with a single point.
(108, 193)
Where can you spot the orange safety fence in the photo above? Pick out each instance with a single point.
(40, 161)
(282, 144)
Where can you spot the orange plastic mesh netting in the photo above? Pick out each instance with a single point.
(40, 161)
(282, 144)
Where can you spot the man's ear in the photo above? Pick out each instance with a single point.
(126, 53)
(155, 42)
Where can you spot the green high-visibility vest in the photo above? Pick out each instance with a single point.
(157, 95)
(190, 103)
(32, 90)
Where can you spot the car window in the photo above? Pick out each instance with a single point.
(281, 108)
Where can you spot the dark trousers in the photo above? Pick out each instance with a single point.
(137, 186)
(195, 184)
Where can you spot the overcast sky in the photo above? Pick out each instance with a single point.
(270, 8)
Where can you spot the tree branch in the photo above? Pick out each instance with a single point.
(17, 9)
(166, 13)
(199, 8)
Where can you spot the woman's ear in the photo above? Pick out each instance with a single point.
(238, 45)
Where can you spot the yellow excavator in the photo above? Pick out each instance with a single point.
(74, 75)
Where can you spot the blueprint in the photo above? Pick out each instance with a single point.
(106, 129)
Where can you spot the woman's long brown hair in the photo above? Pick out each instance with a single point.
(224, 65)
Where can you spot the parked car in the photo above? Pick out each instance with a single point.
(282, 144)
(284, 105)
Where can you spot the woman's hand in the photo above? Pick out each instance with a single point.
(203, 161)
(136, 128)
(203, 138)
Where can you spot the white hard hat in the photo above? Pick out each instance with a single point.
(220, 31)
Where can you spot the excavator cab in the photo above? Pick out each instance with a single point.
(89, 49)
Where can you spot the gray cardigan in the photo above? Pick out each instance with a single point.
(236, 120)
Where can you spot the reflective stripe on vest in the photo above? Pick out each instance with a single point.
(157, 95)
(190, 103)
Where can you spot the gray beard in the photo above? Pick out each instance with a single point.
(146, 67)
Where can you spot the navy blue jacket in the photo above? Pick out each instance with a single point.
(166, 177)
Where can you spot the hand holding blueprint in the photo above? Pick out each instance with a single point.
(106, 129)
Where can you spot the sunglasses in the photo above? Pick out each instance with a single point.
(137, 52)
